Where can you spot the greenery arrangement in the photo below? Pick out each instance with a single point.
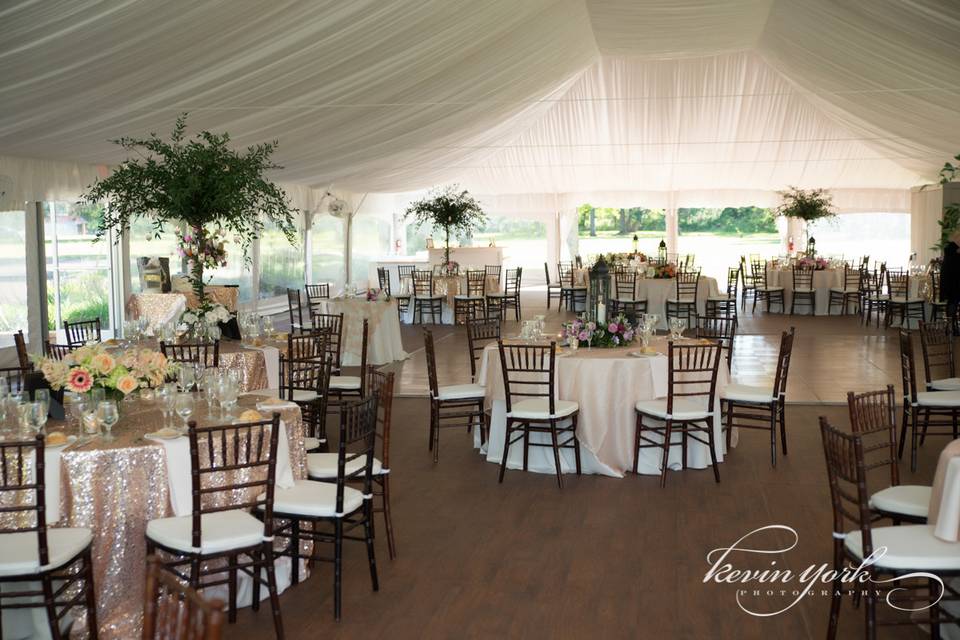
(202, 182)
(950, 222)
(451, 210)
(808, 206)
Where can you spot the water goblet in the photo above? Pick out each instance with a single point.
(268, 327)
(184, 408)
(228, 393)
(108, 415)
(677, 326)
(187, 377)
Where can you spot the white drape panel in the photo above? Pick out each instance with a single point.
(32, 180)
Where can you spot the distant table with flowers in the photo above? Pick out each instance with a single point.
(383, 325)
(824, 279)
(162, 308)
(449, 287)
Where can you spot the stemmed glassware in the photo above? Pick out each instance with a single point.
(42, 397)
(187, 377)
(227, 393)
(184, 408)
(75, 404)
(677, 327)
(108, 415)
(167, 394)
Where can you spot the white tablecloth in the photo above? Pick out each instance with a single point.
(383, 342)
(607, 383)
(945, 497)
(823, 281)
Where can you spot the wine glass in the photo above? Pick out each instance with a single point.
(108, 415)
(187, 377)
(228, 393)
(42, 396)
(168, 400)
(184, 408)
(677, 327)
(97, 395)
(211, 378)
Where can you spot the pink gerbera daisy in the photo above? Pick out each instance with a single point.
(79, 380)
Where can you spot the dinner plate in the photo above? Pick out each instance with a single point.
(640, 354)
(165, 434)
(70, 441)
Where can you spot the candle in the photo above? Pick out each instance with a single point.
(601, 313)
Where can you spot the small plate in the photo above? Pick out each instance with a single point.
(70, 441)
(165, 434)
(641, 354)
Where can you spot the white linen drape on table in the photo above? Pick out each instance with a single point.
(823, 281)
(384, 343)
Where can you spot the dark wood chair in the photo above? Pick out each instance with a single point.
(902, 305)
(334, 509)
(56, 351)
(174, 611)
(553, 288)
(59, 558)
(764, 292)
(684, 302)
(908, 549)
(498, 303)
(305, 379)
(726, 304)
(571, 293)
(873, 294)
(687, 410)
(625, 300)
(23, 356)
(332, 323)
(424, 297)
(761, 408)
(205, 353)
(848, 294)
(529, 377)
(803, 292)
(722, 328)
(233, 472)
(935, 412)
(874, 415)
(493, 270)
(936, 341)
(480, 333)
(81, 332)
(452, 406)
(315, 294)
(403, 299)
(938, 307)
(472, 304)
(350, 387)
(749, 283)
(295, 309)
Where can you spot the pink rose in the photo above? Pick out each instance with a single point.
(613, 327)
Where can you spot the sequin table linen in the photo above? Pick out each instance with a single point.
(944, 513)
(607, 383)
(384, 344)
(251, 363)
(157, 308)
(116, 487)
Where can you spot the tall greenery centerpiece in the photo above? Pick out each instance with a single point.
(450, 209)
(950, 223)
(807, 205)
(202, 182)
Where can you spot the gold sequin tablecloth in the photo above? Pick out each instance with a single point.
(116, 487)
(161, 308)
(251, 363)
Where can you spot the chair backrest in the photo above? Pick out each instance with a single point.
(23, 491)
(733, 281)
(783, 363)
(722, 328)
(688, 282)
(174, 611)
(307, 344)
(431, 357)
(898, 283)
(936, 342)
(422, 283)
(479, 334)
(333, 324)
(758, 271)
(358, 436)
(873, 413)
(625, 283)
(380, 384)
(205, 353)
(546, 272)
(240, 461)
(364, 340)
(512, 286)
(851, 278)
(529, 371)
(565, 274)
(383, 278)
(802, 277)
(307, 374)
(317, 292)
(908, 369)
(494, 270)
(23, 357)
(848, 483)
(477, 282)
(82, 331)
(294, 308)
(56, 351)
(577, 260)
(405, 272)
(692, 372)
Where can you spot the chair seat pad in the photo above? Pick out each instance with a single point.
(20, 555)
(946, 384)
(842, 290)
(721, 299)
(501, 295)
(324, 465)
(746, 393)
(345, 383)
(804, 290)
(770, 289)
(901, 300)
(908, 547)
(629, 300)
(303, 395)
(461, 392)
(315, 499)
(681, 300)
(219, 531)
(463, 297)
(400, 296)
(683, 409)
(575, 288)
(908, 499)
(433, 297)
(539, 409)
(310, 443)
(938, 399)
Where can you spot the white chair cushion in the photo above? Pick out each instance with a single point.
(938, 399)
(19, 554)
(220, 531)
(539, 409)
(463, 297)
(345, 383)
(628, 300)
(842, 290)
(318, 499)
(461, 392)
(302, 395)
(746, 393)
(908, 499)
(680, 301)
(803, 290)
(683, 408)
(310, 443)
(324, 465)
(946, 384)
(433, 297)
(908, 547)
(899, 300)
(770, 289)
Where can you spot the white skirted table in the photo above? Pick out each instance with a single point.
(448, 287)
(944, 513)
(823, 281)
(383, 341)
(607, 383)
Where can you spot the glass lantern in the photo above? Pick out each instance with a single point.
(599, 292)
(636, 244)
(662, 253)
(811, 247)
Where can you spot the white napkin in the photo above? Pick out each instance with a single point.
(271, 356)
(51, 477)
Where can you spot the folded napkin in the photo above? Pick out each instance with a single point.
(271, 356)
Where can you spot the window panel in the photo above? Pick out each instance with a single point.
(144, 243)
(370, 239)
(13, 272)
(328, 246)
(281, 263)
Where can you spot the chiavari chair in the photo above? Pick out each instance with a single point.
(332, 323)
(684, 302)
(23, 357)
(174, 611)
(295, 309)
(229, 466)
(873, 296)
(873, 414)
(471, 304)
(334, 509)
(939, 410)
(688, 409)
(405, 274)
(31, 552)
(493, 270)
(848, 294)
(403, 299)
(56, 351)
(749, 284)
(908, 549)
(351, 386)
(571, 293)
(452, 406)
(425, 297)
(939, 368)
(204, 353)
(316, 293)
(726, 305)
(323, 466)
(626, 300)
(938, 308)
(480, 333)
(761, 408)
(803, 291)
(722, 329)
(553, 288)
(902, 305)
(763, 291)
(529, 377)
(305, 380)
(498, 303)
(81, 332)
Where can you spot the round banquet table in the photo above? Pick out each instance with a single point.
(607, 383)
(448, 287)
(944, 514)
(823, 281)
(384, 344)
(114, 488)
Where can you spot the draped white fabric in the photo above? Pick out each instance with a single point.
(716, 102)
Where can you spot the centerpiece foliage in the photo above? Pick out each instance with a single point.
(202, 182)
(806, 205)
(451, 210)
(616, 332)
(950, 223)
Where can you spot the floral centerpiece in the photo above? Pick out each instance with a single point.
(623, 258)
(374, 295)
(450, 210)
(617, 332)
(208, 314)
(664, 271)
(451, 268)
(92, 366)
(817, 264)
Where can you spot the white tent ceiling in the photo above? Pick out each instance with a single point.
(714, 100)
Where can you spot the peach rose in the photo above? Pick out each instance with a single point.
(127, 384)
(104, 363)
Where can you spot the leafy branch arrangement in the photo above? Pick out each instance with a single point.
(455, 212)
(950, 222)
(807, 205)
(200, 181)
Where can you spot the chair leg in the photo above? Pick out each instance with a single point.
(93, 629)
(368, 537)
(713, 448)
(636, 441)
(295, 552)
(913, 440)
(272, 588)
(667, 437)
(526, 445)
(506, 449)
(232, 588)
(729, 422)
(47, 588)
(337, 566)
(836, 597)
(387, 518)
(576, 444)
(783, 427)
(773, 437)
(903, 429)
(556, 453)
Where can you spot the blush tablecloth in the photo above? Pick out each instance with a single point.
(607, 383)
(384, 343)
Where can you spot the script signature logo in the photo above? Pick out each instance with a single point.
(797, 585)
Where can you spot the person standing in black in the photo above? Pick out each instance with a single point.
(950, 281)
